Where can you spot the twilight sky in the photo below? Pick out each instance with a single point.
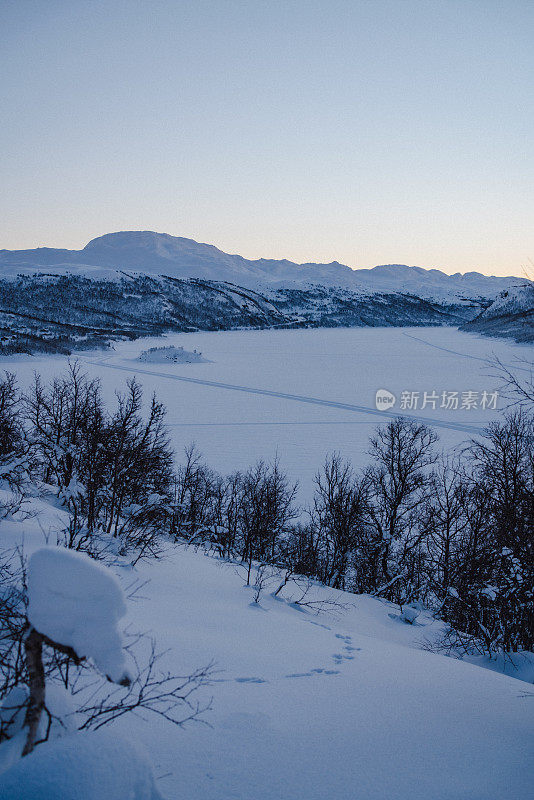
(362, 131)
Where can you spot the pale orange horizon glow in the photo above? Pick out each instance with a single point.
(361, 132)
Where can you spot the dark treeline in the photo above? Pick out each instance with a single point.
(454, 533)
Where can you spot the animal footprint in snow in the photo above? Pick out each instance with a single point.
(315, 671)
(299, 675)
(340, 657)
(250, 680)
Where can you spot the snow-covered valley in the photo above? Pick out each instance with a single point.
(331, 695)
(140, 283)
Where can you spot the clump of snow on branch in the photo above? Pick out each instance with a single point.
(76, 602)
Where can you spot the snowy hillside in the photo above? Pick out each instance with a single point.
(512, 301)
(511, 314)
(307, 703)
(178, 257)
(59, 313)
(312, 705)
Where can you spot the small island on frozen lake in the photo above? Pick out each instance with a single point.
(177, 355)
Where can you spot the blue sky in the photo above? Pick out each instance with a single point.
(388, 131)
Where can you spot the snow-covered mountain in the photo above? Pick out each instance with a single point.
(511, 314)
(178, 257)
(510, 302)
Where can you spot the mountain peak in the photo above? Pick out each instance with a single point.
(127, 238)
(162, 254)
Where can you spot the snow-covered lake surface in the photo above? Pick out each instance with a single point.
(300, 393)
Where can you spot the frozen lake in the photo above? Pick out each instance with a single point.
(301, 393)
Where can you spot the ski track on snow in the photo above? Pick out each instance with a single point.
(486, 361)
(385, 415)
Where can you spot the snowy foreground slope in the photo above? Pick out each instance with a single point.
(308, 705)
(315, 706)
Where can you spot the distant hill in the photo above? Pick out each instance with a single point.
(59, 313)
(161, 254)
(511, 314)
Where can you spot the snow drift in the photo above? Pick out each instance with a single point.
(96, 766)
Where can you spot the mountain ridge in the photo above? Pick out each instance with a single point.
(153, 253)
